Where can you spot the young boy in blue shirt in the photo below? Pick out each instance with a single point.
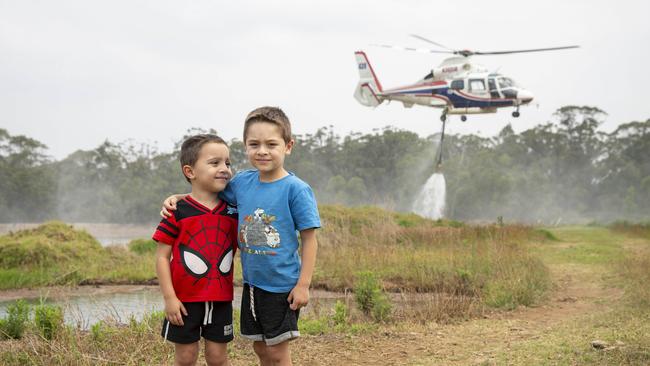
(273, 204)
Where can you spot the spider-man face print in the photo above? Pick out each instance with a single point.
(203, 242)
(205, 256)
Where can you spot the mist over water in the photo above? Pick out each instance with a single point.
(430, 202)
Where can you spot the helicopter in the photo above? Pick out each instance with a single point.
(458, 86)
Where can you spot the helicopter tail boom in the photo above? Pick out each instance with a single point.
(368, 91)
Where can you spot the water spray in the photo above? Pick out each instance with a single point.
(431, 200)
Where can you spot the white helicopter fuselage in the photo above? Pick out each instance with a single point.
(457, 85)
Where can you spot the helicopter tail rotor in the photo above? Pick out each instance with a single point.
(368, 91)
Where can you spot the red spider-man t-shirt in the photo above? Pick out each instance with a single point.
(203, 244)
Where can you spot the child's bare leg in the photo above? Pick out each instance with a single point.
(216, 354)
(186, 354)
(262, 353)
(277, 355)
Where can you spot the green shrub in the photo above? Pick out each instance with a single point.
(500, 221)
(13, 326)
(455, 224)
(547, 235)
(48, 319)
(340, 317)
(97, 331)
(312, 326)
(370, 298)
(143, 246)
(3, 327)
(364, 291)
(381, 309)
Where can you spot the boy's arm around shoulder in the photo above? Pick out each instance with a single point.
(169, 204)
(228, 194)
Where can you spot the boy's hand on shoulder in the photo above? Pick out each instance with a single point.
(168, 205)
(298, 297)
(173, 309)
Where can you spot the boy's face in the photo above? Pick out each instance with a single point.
(211, 172)
(265, 147)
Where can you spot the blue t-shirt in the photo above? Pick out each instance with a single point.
(270, 214)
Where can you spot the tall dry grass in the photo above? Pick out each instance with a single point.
(637, 229)
(491, 262)
(108, 343)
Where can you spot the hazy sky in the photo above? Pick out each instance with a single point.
(73, 73)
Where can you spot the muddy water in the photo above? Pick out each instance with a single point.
(86, 305)
(85, 309)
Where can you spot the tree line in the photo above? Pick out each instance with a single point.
(566, 170)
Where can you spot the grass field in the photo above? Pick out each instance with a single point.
(489, 264)
(460, 294)
(57, 254)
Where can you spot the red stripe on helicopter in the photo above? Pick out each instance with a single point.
(365, 85)
(434, 83)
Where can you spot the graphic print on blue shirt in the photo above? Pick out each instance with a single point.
(257, 230)
(270, 216)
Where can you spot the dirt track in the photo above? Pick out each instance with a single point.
(472, 342)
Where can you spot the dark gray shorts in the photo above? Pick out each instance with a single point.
(266, 316)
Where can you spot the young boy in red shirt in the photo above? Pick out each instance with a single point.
(196, 245)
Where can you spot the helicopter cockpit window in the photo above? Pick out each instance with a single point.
(506, 83)
(428, 76)
(458, 84)
(476, 85)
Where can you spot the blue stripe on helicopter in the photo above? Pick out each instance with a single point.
(459, 101)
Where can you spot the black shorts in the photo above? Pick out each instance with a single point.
(211, 320)
(266, 316)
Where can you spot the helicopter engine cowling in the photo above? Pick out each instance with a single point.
(455, 67)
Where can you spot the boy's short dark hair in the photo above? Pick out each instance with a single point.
(273, 115)
(192, 146)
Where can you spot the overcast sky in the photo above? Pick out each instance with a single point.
(74, 73)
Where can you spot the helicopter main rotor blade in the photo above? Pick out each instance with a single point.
(401, 48)
(523, 51)
(430, 41)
